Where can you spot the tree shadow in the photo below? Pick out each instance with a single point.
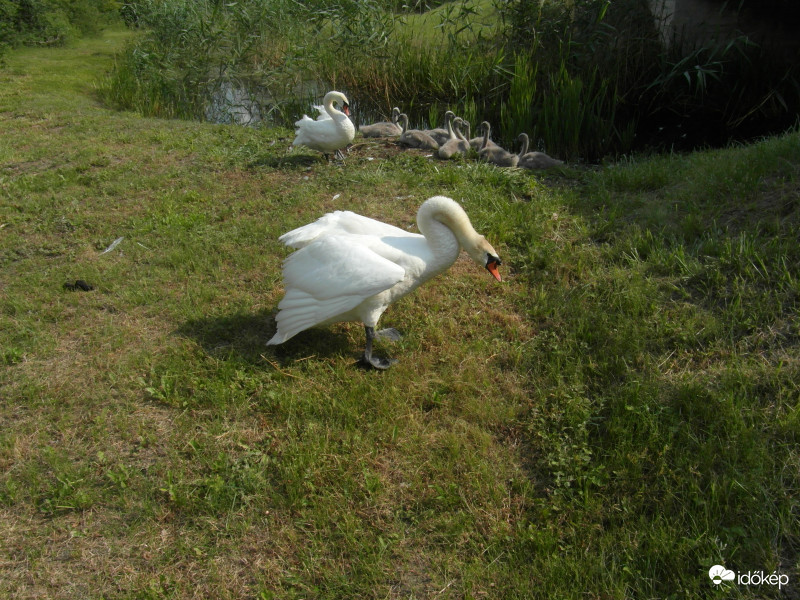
(245, 335)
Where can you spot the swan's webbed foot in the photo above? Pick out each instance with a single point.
(376, 362)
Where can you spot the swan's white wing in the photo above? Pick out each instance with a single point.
(323, 114)
(303, 120)
(335, 266)
(326, 135)
(327, 279)
(338, 223)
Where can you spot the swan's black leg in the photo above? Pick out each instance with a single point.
(373, 361)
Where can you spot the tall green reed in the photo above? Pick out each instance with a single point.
(585, 79)
(517, 113)
(191, 50)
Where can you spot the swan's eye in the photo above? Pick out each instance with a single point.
(493, 259)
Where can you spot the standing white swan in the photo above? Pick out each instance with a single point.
(351, 268)
(327, 135)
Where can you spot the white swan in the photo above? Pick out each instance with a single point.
(351, 268)
(457, 144)
(534, 160)
(383, 128)
(495, 154)
(327, 135)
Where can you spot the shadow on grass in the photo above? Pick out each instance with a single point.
(287, 161)
(245, 335)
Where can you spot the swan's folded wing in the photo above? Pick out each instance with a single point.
(303, 120)
(329, 278)
(338, 223)
(323, 114)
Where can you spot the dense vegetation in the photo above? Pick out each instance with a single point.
(620, 414)
(52, 22)
(586, 79)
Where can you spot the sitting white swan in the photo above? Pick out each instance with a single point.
(327, 135)
(383, 128)
(351, 268)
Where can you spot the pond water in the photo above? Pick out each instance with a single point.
(235, 104)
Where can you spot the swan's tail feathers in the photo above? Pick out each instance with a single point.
(305, 119)
(276, 339)
(300, 311)
(301, 132)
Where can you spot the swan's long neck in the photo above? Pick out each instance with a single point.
(335, 113)
(331, 109)
(447, 229)
(457, 129)
(486, 129)
(460, 134)
(450, 132)
(524, 150)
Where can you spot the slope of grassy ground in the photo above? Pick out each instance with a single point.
(617, 416)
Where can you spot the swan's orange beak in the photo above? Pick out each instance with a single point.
(491, 266)
(346, 109)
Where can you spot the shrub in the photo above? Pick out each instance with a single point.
(52, 22)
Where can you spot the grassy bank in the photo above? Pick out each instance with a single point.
(614, 419)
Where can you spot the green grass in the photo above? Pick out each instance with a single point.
(616, 417)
